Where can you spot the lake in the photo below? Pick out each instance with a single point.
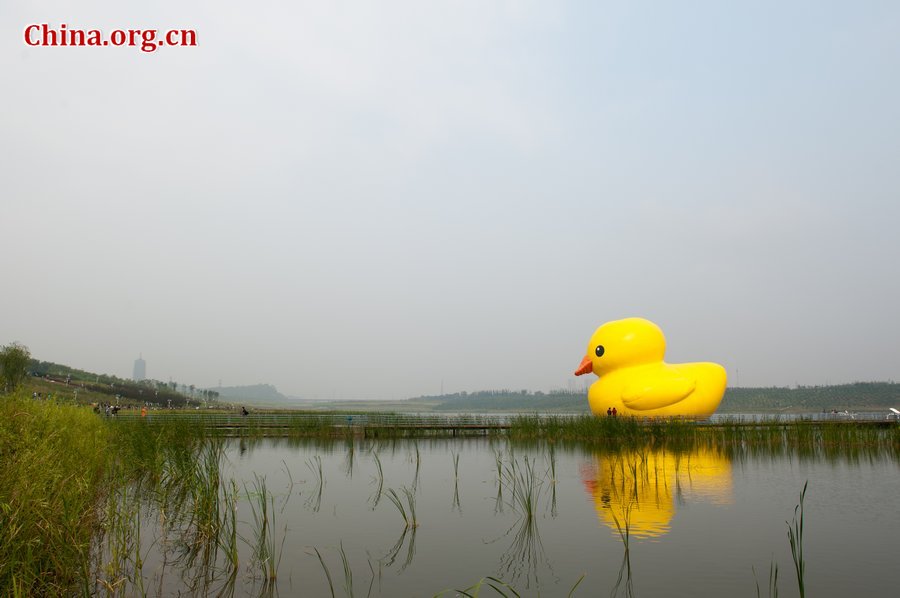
(539, 517)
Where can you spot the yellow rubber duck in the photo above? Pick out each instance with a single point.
(627, 356)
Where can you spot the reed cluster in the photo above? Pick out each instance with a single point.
(72, 489)
(819, 439)
(53, 462)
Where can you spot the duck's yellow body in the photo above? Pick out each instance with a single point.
(627, 356)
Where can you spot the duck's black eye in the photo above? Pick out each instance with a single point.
(599, 350)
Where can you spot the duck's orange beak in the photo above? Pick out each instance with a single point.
(586, 367)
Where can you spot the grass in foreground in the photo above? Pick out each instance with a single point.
(64, 478)
(54, 460)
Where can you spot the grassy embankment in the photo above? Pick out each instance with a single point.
(65, 392)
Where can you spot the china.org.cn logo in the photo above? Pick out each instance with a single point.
(148, 40)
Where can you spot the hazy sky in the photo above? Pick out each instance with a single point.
(365, 199)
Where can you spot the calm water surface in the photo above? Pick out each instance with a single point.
(696, 524)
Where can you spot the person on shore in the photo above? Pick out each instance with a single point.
(608, 411)
(244, 411)
(614, 412)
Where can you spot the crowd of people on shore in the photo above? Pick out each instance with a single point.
(107, 409)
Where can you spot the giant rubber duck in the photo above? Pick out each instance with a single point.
(627, 356)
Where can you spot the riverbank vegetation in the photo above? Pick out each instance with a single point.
(64, 478)
(800, 437)
(53, 463)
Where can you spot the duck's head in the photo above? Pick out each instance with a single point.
(621, 343)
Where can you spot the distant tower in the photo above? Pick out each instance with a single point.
(140, 369)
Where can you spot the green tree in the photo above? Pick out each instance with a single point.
(14, 360)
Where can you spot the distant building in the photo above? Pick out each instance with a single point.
(140, 369)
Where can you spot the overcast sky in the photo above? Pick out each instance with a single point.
(367, 199)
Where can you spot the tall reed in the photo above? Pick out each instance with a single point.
(415, 483)
(773, 580)
(266, 553)
(624, 529)
(327, 572)
(795, 535)
(379, 480)
(347, 569)
(348, 572)
(409, 516)
(228, 539)
(410, 521)
(524, 487)
(526, 552)
(314, 501)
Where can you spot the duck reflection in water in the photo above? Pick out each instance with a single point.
(640, 489)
